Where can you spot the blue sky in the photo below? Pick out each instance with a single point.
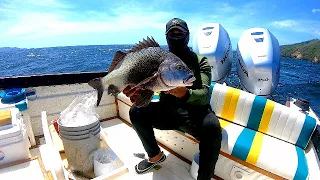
(49, 23)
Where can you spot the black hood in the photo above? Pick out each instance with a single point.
(178, 45)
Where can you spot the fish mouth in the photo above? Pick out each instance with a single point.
(189, 81)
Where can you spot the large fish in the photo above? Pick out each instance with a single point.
(146, 66)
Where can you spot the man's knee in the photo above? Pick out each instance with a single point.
(137, 115)
(211, 126)
(133, 114)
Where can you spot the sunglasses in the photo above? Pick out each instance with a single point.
(176, 35)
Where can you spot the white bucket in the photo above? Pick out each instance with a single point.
(104, 161)
(79, 144)
(195, 166)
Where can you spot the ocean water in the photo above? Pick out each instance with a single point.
(298, 78)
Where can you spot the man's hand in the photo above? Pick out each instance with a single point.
(134, 94)
(179, 92)
(131, 93)
(128, 91)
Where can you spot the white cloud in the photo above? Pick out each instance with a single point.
(42, 24)
(315, 10)
(15, 7)
(316, 33)
(284, 24)
(308, 28)
(35, 21)
(56, 20)
(34, 3)
(32, 24)
(226, 7)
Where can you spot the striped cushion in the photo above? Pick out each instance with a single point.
(261, 114)
(264, 151)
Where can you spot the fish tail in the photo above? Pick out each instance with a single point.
(97, 84)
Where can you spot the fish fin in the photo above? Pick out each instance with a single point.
(97, 84)
(147, 80)
(144, 44)
(117, 60)
(144, 99)
(112, 89)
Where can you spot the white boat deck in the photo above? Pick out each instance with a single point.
(124, 141)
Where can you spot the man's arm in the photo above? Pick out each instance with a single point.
(196, 96)
(200, 96)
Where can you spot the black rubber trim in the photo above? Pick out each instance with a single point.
(316, 140)
(48, 79)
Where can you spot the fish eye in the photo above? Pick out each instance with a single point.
(179, 67)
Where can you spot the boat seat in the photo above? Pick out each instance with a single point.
(259, 131)
(269, 153)
(262, 132)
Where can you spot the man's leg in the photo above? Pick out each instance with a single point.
(144, 119)
(210, 143)
(155, 115)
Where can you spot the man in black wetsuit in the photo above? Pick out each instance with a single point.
(183, 108)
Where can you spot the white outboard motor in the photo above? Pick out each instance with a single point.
(213, 42)
(258, 61)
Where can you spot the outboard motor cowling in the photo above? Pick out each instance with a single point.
(258, 61)
(212, 41)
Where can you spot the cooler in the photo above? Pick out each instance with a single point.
(17, 98)
(14, 145)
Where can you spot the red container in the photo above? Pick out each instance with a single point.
(55, 124)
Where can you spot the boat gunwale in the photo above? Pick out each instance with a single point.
(48, 79)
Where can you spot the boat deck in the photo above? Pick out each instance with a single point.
(124, 141)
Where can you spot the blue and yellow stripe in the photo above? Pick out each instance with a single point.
(309, 126)
(241, 148)
(255, 148)
(249, 143)
(230, 106)
(230, 103)
(248, 146)
(256, 113)
(266, 116)
(156, 96)
(302, 168)
(210, 92)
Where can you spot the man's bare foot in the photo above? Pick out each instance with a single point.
(156, 158)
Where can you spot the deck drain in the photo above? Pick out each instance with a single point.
(157, 167)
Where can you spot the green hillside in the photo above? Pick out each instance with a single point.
(308, 50)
